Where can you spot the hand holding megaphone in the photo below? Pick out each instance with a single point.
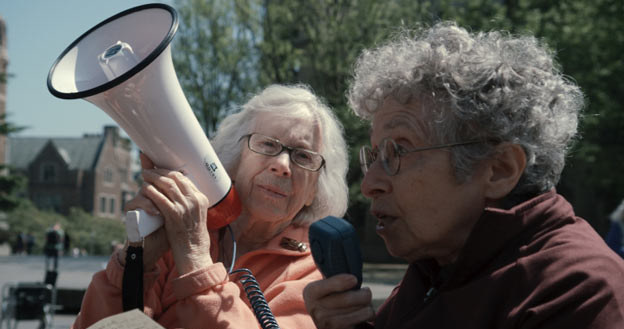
(183, 207)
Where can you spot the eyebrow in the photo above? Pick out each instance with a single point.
(391, 125)
(397, 122)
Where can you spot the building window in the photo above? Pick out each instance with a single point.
(111, 206)
(49, 172)
(108, 175)
(125, 197)
(102, 205)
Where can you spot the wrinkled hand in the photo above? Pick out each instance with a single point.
(184, 209)
(156, 244)
(333, 306)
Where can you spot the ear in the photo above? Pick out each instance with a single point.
(504, 170)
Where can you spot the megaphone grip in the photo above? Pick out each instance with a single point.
(140, 224)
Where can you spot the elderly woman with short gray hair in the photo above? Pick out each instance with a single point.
(286, 154)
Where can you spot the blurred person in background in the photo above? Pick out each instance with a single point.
(616, 230)
(53, 247)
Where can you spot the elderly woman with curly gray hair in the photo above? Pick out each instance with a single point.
(469, 133)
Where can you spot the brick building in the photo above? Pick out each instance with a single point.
(93, 172)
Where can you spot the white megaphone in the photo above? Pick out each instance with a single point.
(123, 65)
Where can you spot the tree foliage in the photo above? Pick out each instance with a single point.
(317, 42)
(91, 234)
(214, 56)
(10, 185)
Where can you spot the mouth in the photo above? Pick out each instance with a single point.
(383, 219)
(273, 191)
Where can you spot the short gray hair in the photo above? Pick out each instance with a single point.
(488, 86)
(332, 191)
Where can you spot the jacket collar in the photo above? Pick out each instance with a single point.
(500, 233)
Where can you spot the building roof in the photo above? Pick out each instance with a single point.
(78, 152)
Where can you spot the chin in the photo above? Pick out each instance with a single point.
(401, 253)
(393, 250)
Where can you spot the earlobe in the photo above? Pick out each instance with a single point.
(504, 170)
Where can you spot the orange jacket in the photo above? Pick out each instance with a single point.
(209, 298)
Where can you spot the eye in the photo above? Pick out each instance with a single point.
(268, 145)
(401, 149)
(302, 157)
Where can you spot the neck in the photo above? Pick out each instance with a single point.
(249, 235)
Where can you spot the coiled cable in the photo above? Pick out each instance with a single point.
(254, 294)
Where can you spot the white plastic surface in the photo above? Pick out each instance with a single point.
(140, 224)
(150, 106)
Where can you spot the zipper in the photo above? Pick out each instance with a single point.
(432, 292)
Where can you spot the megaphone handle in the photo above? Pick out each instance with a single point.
(140, 224)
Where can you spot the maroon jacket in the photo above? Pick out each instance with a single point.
(536, 265)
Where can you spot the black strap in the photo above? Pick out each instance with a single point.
(132, 284)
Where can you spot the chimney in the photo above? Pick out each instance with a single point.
(112, 132)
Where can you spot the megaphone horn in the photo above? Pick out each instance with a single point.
(123, 65)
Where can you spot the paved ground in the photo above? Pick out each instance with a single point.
(77, 272)
(73, 273)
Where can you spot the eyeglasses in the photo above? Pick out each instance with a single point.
(266, 145)
(391, 154)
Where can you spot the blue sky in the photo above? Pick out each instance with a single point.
(37, 32)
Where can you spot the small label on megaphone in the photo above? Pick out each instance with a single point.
(212, 167)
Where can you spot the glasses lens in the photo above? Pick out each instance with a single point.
(306, 159)
(269, 146)
(390, 156)
(264, 145)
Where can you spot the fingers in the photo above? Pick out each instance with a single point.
(166, 181)
(173, 184)
(337, 283)
(333, 305)
(141, 201)
(184, 209)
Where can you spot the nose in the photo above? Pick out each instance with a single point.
(280, 164)
(375, 182)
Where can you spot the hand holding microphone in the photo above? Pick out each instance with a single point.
(337, 301)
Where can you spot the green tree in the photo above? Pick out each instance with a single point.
(585, 36)
(317, 42)
(589, 44)
(10, 184)
(214, 55)
(93, 234)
